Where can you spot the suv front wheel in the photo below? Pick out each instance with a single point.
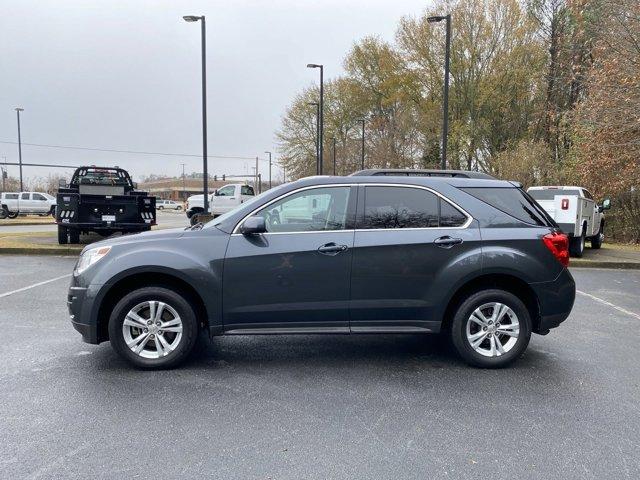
(153, 327)
(491, 328)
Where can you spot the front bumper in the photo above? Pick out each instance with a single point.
(555, 300)
(80, 301)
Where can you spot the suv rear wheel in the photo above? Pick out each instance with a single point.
(153, 327)
(491, 328)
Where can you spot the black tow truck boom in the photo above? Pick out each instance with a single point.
(102, 200)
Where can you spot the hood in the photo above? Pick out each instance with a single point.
(151, 236)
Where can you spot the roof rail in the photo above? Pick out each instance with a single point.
(391, 172)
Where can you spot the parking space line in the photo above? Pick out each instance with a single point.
(6, 294)
(609, 304)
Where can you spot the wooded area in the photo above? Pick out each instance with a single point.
(541, 91)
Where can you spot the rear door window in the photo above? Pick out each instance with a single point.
(407, 207)
(24, 196)
(246, 190)
(514, 202)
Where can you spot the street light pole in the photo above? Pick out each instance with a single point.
(320, 116)
(317, 105)
(333, 139)
(445, 106)
(18, 110)
(269, 169)
(256, 180)
(184, 189)
(362, 120)
(205, 172)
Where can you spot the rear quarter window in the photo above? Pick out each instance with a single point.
(514, 202)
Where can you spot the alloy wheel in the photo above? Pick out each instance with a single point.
(492, 329)
(152, 329)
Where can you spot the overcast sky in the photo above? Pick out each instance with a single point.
(126, 75)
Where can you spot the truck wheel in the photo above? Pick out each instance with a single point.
(12, 214)
(62, 235)
(598, 239)
(194, 219)
(104, 233)
(3, 213)
(53, 212)
(491, 328)
(74, 236)
(576, 245)
(153, 327)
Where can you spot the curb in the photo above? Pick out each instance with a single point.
(604, 264)
(26, 224)
(39, 251)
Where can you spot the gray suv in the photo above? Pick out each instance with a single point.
(475, 259)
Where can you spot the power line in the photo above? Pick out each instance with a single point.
(133, 152)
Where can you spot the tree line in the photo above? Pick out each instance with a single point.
(541, 91)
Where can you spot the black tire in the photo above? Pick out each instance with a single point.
(13, 214)
(176, 301)
(160, 208)
(462, 318)
(3, 213)
(63, 235)
(576, 245)
(74, 236)
(598, 239)
(52, 212)
(194, 219)
(104, 233)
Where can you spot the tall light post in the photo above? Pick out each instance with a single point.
(269, 169)
(362, 120)
(205, 172)
(445, 106)
(317, 105)
(18, 110)
(333, 139)
(184, 189)
(320, 116)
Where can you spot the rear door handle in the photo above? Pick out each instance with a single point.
(331, 249)
(447, 241)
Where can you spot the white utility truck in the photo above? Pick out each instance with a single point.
(576, 213)
(14, 204)
(223, 200)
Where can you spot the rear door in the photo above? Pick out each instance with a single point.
(406, 237)
(39, 203)
(25, 203)
(225, 199)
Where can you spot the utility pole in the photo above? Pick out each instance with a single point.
(256, 181)
(317, 105)
(334, 155)
(18, 110)
(321, 115)
(184, 190)
(269, 169)
(362, 120)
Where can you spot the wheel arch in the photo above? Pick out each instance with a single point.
(502, 281)
(139, 279)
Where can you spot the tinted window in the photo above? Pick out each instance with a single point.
(399, 207)
(552, 192)
(24, 196)
(315, 209)
(11, 196)
(226, 191)
(246, 190)
(450, 216)
(37, 196)
(514, 202)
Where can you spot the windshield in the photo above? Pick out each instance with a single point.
(549, 194)
(254, 201)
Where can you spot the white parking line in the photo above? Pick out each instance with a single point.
(609, 304)
(2, 295)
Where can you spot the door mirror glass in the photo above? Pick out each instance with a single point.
(606, 204)
(253, 226)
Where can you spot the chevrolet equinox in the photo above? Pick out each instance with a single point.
(475, 259)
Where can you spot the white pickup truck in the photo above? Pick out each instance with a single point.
(576, 213)
(221, 201)
(14, 204)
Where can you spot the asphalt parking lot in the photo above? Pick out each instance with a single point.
(315, 407)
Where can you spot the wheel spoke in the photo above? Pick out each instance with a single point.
(138, 343)
(478, 317)
(492, 345)
(159, 346)
(152, 309)
(134, 320)
(174, 325)
(498, 345)
(166, 346)
(159, 311)
(499, 311)
(511, 330)
(476, 343)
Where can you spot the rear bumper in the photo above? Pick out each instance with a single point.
(567, 228)
(555, 300)
(104, 226)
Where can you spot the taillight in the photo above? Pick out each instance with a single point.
(564, 204)
(558, 244)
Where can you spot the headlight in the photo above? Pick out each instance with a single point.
(90, 257)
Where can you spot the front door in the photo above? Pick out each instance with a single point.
(225, 199)
(296, 276)
(406, 237)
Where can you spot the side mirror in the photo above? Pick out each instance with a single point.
(215, 193)
(253, 226)
(606, 204)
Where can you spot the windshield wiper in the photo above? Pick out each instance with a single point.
(197, 226)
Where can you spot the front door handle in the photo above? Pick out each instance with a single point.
(331, 249)
(447, 241)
